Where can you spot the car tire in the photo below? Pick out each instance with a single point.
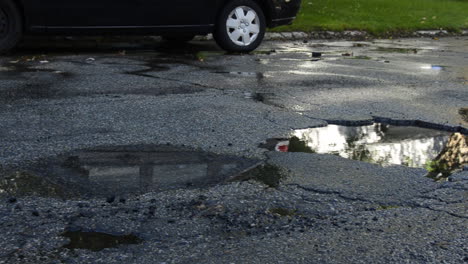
(240, 26)
(11, 26)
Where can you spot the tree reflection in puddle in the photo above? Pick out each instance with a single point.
(440, 152)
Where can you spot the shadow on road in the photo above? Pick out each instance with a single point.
(110, 44)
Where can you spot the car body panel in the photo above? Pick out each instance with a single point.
(138, 16)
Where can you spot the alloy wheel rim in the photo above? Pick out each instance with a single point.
(3, 24)
(243, 26)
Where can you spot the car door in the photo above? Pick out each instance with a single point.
(176, 12)
(88, 13)
(127, 13)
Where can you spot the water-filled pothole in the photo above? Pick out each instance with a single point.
(440, 152)
(123, 170)
(96, 241)
(434, 67)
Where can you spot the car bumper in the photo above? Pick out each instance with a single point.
(284, 12)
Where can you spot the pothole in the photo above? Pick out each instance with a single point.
(440, 152)
(121, 170)
(97, 241)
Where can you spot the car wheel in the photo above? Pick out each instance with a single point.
(240, 26)
(11, 26)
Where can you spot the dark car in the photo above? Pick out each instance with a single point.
(237, 25)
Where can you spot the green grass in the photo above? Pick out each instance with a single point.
(380, 16)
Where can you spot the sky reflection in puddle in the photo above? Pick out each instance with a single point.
(433, 67)
(381, 144)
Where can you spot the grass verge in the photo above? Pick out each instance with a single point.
(380, 17)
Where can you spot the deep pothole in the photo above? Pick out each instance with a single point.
(439, 152)
(124, 170)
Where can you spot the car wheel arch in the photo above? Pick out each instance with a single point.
(20, 6)
(264, 5)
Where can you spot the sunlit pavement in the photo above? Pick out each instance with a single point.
(88, 94)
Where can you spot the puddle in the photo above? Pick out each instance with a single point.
(245, 74)
(440, 152)
(433, 67)
(397, 50)
(106, 171)
(96, 241)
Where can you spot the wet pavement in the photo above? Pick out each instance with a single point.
(142, 152)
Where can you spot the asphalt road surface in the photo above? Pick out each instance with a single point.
(120, 108)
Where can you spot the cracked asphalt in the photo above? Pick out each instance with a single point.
(91, 93)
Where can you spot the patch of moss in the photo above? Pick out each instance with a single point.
(437, 170)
